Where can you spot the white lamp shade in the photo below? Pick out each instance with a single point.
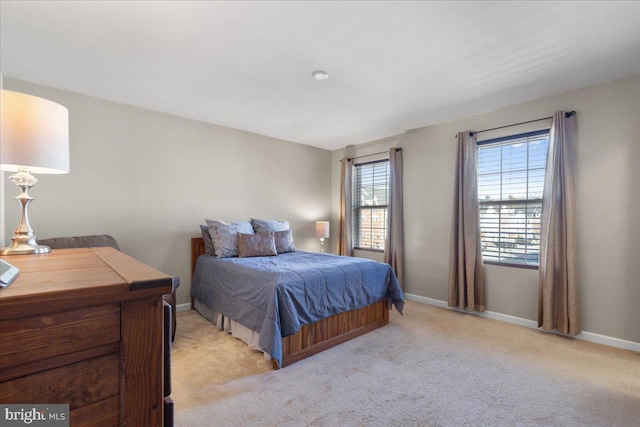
(322, 229)
(34, 133)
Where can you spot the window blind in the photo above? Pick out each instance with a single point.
(510, 183)
(370, 204)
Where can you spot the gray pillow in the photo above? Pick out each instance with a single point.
(256, 245)
(284, 241)
(224, 236)
(268, 225)
(208, 243)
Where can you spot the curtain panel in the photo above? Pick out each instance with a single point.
(558, 304)
(466, 289)
(394, 245)
(345, 243)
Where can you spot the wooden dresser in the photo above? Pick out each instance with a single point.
(84, 327)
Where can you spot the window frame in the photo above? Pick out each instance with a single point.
(492, 141)
(355, 229)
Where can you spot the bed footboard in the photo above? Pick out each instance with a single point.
(323, 334)
(334, 330)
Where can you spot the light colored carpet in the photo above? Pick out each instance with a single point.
(430, 367)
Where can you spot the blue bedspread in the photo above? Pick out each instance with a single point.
(276, 295)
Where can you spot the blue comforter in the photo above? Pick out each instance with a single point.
(276, 295)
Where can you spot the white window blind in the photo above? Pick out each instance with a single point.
(510, 183)
(370, 204)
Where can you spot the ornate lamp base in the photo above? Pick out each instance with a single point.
(23, 245)
(24, 241)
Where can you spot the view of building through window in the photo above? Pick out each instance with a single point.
(510, 183)
(370, 204)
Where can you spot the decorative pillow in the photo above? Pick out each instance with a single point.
(256, 245)
(284, 241)
(268, 225)
(208, 243)
(225, 236)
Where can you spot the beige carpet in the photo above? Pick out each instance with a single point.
(430, 367)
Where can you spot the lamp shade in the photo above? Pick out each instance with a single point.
(322, 229)
(34, 133)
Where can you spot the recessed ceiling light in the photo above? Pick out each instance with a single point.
(320, 75)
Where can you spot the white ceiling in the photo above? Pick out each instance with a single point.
(393, 66)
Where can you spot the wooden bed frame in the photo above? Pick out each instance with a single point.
(323, 334)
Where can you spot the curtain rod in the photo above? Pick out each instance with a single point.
(567, 114)
(372, 154)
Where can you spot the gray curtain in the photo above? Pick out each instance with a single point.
(558, 305)
(345, 244)
(394, 245)
(466, 289)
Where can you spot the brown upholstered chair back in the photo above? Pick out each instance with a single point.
(99, 240)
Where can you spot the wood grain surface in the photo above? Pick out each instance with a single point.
(84, 327)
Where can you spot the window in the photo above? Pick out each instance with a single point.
(510, 183)
(370, 204)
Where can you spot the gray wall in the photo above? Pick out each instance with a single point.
(608, 200)
(149, 179)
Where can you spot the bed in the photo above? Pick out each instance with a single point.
(295, 309)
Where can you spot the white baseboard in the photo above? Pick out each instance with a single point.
(586, 336)
(183, 307)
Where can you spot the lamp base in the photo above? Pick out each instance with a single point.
(21, 248)
(24, 241)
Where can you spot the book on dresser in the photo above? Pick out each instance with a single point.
(85, 327)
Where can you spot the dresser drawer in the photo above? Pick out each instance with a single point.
(41, 337)
(104, 413)
(78, 384)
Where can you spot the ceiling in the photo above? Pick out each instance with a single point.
(392, 66)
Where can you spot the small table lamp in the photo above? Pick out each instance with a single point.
(322, 232)
(34, 138)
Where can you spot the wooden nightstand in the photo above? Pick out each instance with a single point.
(85, 327)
